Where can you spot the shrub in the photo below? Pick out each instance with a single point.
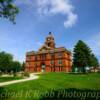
(26, 74)
(14, 74)
(99, 71)
(0, 73)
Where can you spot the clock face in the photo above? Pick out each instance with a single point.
(48, 39)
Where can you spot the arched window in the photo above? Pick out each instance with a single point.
(49, 44)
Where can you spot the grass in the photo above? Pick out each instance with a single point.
(5, 79)
(55, 86)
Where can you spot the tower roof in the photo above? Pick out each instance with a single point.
(50, 35)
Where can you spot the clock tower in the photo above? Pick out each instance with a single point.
(50, 41)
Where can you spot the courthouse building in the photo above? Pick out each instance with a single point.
(49, 58)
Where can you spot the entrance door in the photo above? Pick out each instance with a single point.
(35, 69)
(43, 67)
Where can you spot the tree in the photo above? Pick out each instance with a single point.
(5, 61)
(81, 56)
(15, 66)
(7, 64)
(23, 66)
(94, 61)
(8, 10)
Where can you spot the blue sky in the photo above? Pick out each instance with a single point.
(68, 20)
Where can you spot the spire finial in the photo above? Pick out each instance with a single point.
(50, 33)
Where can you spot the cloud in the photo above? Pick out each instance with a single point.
(53, 7)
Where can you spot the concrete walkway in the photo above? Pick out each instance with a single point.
(32, 77)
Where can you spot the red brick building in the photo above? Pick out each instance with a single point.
(49, 58)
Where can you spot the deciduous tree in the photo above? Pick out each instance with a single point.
(8, 10)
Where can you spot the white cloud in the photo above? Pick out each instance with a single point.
(71, 20)
(53, 7)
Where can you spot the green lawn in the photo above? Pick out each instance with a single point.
(6, 79)
(55, 86)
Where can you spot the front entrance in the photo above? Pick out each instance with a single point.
(35, 69)
(43, 67)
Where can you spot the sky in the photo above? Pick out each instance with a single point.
(68, 20)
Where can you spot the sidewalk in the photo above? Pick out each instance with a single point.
(33, 77)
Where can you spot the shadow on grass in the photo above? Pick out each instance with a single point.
(72, 94)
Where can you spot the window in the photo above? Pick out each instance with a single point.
(27, 64)
(60, 62)
(52, 55)
(52, 62)
(28, 57)
(35, 57)
(35, 64)
(43, 56)
(38, 57)
(60, 54)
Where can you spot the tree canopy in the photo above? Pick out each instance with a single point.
(5, 61)
(83, 56)
(8, 10)
(15, 66)
(23, 66)
(7, 64)
(94, 61)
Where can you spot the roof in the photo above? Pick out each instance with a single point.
(44, 47)
(30, 53)
(63, 49)
(50, 35)
(60, 49)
